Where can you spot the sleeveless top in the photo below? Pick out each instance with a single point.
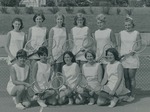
(71, 73)
(16, 43)
(60, 37)
(102, 38)
(43, 74)
(127, 41)
(79, 33)
(112, 72)
(91, 75)
(21, 75)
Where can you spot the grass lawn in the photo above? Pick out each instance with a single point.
(114, 22)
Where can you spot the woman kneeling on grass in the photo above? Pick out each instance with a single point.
(113, 85)
(18, 83)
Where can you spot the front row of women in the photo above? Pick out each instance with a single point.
(91, 88)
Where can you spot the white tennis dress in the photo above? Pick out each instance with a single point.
(91, 75)
(21, 75)
(60, 37)
(71, 73)
(79, 34)
(16, 43)
(102, 38)
(38, 35)
(127, 41)
(112, 72)
(43, 74)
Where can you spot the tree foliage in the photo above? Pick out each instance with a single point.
(10, 3)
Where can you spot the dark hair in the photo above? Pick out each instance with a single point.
(59, 14)
(70, 54)
(21, 53)
(42, 50)
(75, 20)
(91, 52)
(17, 19)
(38, 14)
(114, 52)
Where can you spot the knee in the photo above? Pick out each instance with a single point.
(21, 88)
(26, 103)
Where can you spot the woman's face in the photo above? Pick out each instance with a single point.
(100, 24)
(21, 60)
(128, 26)
(43, 58)
(38, 20)
(67, 59)
(80, 22)
(59, 20)
(90, 57)
(110, 57)
(17, 25)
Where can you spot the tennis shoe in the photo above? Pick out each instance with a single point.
(130, 99)
(15, 101)
(91, 101)
(113, 102)
(20, 106)
(41, 103)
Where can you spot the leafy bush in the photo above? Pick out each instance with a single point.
(16, 10)
(29, 10)
(91, 10)
(3, 10)
(82, 11)
(128, 11)
(54, 10)
(50, 3)
(106, 10)
(10, 2)
(69, 10)
(118, 11)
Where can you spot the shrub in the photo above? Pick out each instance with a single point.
(3, 10)
(106, 10)
(128, 11)
(16, 10)
(82, 11)
(10, 2)
(91, 10)
(118, 11)
(29, 10)
(69, 10)
(54, 10)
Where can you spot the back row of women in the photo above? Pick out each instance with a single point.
(110, 86)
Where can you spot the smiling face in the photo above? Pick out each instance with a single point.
(128, 26)
(100, 24)
(59, 20)
(110, 57)
(16, 25)
(38, 20)
(80, 22)
(89, 57)
(43, 57)
(67, 59)
(21, 60)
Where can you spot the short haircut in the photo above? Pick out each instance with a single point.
(17, 19)
(71, 55)
(91, 52)
(114, 52)
(59, 14)
(21, 53)
(38, 14)
(129, 19)
(42, 50)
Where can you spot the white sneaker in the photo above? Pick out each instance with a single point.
(15, 101)
(113, 102)
(130, 99)
(70, 101)
(91, 101)
(41, 103)
(35, 97)
(20, 106)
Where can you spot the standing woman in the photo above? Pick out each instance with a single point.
(15, 39)
(57, 33)
(103, 36)
(130, 64)
(38, 33)
(78, 33)
(92, 72)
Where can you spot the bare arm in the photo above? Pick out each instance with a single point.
(29, 34)
(105, 79)
(119, 42)
(113, 39)
(139, 43)
(99, 73)
(7, 45)
(50, 42)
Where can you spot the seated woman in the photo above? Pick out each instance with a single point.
(71, 72)
(19, 74)
(42, 72)
(113, 85)
(92, 72)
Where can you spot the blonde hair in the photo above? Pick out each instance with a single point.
(101, 17)
(60, 14)
(129, 19)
